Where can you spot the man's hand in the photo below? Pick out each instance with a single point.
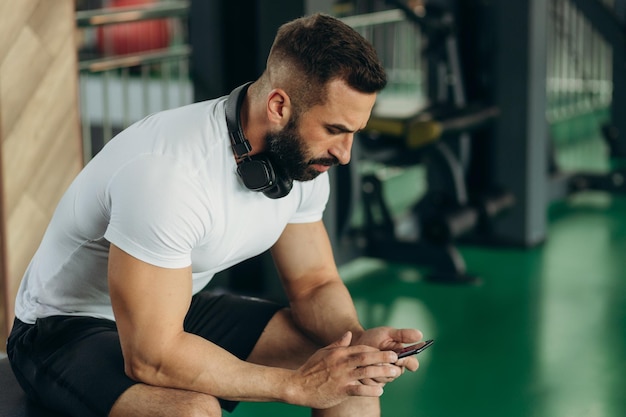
(335, 372)
(387, 338)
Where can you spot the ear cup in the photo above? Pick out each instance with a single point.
(280, 190)
(282, 182)
(258, 174)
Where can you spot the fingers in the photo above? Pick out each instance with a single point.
(343, 341)
(387, 338)
(364, 390)
(384, 381)
(341, 370)
(361, 356)
(376, 373)
(406, 335)
(372, 382)
(335, 372)
(411, 363)
(373, 387)
(400, 337)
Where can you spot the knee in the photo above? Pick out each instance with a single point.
(201, 406)
(144, 400)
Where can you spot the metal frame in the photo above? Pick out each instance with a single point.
(521, 130)
(611, 24)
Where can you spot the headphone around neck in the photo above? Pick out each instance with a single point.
(256, 171)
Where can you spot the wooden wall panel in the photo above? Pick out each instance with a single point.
(40, 144)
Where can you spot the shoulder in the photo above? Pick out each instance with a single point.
(312, 199)
(159, 210)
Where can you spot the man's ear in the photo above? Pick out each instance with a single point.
(278, 107)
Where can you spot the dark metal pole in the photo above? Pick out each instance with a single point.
(521, 131)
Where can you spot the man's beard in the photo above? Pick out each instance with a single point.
(288, 154)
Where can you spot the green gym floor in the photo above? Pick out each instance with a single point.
(543, 335)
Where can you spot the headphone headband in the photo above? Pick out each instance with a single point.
(241, 145)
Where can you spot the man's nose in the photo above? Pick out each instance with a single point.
(343, 149)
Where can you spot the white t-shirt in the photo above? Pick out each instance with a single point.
(165, 191)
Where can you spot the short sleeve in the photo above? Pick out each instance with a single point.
(158, 213)
(313, 201)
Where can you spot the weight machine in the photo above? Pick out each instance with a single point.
(439, 137)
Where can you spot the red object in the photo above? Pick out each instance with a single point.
(134, 37)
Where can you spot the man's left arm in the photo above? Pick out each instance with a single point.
(320, 302)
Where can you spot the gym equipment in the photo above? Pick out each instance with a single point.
(133, 37)
(611, 29)
(613, 181)
(439, 138)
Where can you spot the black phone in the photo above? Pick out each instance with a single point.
(414, 349)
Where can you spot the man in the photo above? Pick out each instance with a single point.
(110, 316)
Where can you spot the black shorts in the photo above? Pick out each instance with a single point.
(74, 364)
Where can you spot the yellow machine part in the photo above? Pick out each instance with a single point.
(415, 132)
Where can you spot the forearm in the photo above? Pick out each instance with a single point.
(326, 379)
(326, 312)
(191, 363)
(320, 302)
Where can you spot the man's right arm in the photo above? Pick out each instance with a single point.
(150, 304)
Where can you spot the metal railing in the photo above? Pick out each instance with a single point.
(134, 61)
(398, 43)
(579, 76)
(579, 87)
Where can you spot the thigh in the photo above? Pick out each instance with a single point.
(283, 344)
(233, 322)
(142, 400)
(255, 330)
(73, 365)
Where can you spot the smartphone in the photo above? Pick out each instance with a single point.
(414, 349)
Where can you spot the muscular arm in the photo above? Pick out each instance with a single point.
(320, 302)
(150, 304)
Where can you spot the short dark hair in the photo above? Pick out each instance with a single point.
(313, 50)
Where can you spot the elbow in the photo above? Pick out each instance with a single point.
(149, 360)
(133, 370)
(140, 369)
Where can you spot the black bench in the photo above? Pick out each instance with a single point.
(13, 401)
